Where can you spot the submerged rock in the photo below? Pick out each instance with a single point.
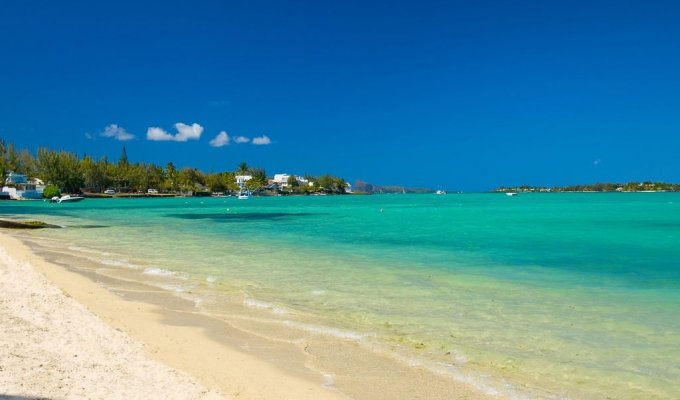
(25, 224)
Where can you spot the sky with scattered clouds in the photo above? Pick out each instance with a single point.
(222, 139)
(460, 95)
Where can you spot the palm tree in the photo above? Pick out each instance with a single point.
(242, 168)
(258, 180)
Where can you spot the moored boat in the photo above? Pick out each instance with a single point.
(243, 194)
(66, 199)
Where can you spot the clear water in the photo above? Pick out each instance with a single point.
(576, 295)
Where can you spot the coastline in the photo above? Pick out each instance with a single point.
(54, 347)
(164, 339)
(230, 359)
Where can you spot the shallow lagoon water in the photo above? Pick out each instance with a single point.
(552, 295)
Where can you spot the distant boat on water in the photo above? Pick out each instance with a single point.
(66, 199)
(511, 193)
(243, 194)
(440, 192)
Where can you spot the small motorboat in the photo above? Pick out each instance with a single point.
(67, 198)
(511, 193)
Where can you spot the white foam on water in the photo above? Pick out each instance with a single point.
(180, 288)
(117, 263)
(88, 250)
(211, 279)
(264, 306)
(482, 382)
(325, 330)
(318, 292)
(457, 371)
(156, 271)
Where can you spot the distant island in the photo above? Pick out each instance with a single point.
(647, 186)
(369, 188)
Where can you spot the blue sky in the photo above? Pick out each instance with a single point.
(459, 95)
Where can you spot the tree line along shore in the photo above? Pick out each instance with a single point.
(647, 186)
(64, 171)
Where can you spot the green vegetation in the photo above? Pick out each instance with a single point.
(259, 179)
(365, 187)
(293, 182)
(51, 191)
(598, 187)
(64, 172)
(331, 184)
(13, 160)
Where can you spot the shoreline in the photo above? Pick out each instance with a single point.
(168, 341)
(234, 360)
(54, 347)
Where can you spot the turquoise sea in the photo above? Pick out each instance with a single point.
(573, 295)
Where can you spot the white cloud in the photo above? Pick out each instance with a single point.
(158, 134)
(184, 133)
(241, 139)
(117, 132)
(222, 139)
(187, 132)
(597, 162)
(262, 140)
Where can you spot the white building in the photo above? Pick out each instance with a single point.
(282, 180)
(14, 179)
(19, 187)
(242, 179)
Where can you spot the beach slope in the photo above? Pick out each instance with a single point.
(53, 347)
(64, 336)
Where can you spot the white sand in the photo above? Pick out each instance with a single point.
(52, 346)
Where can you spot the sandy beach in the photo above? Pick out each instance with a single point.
(64, 335)
(52, 346)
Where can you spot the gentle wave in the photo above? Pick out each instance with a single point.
(326, 330)
(116, 263)
(156, 271)
(177, 288)
(252, 303)
(88, 250)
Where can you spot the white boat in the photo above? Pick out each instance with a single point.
(510, 193)
(243, 194)
(440, 192)
(66, 199)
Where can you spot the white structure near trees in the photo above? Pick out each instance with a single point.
(242, 179)
(282, 180)
(19, 187)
